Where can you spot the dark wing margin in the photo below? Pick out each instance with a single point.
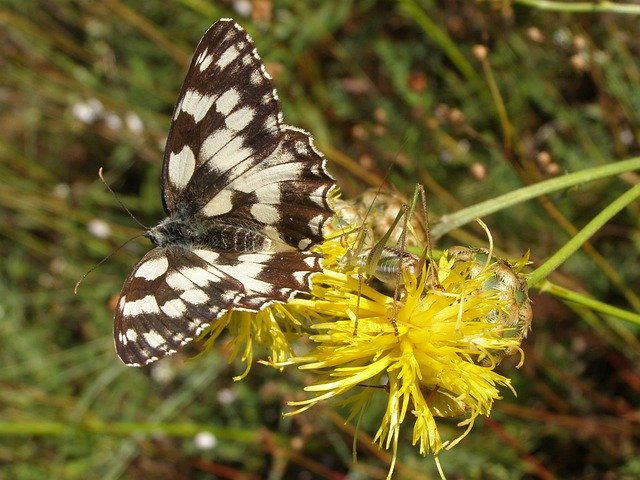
(226, 120)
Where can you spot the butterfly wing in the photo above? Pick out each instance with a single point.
(172, 295)
(229, 159)
(226, 120)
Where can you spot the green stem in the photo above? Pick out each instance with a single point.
(594, 305)
(126, 429)
(581, 7)
(583, 235)
(466, 215)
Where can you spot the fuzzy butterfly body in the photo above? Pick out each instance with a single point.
(245, 197)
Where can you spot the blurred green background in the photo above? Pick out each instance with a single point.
(400, 90)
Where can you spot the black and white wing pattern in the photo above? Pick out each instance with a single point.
(245, 196)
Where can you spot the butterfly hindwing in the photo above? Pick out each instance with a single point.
(285, 195)
(246, 197)
(169, 298)
(172, 295)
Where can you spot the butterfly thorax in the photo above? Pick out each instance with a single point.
(188, 232)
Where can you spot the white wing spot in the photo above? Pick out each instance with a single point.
(256, 77)
(265, 213)
(318, 196)
(205, 62)
(250, 269)
(230, 33)
(315, 224)
(269, 177)
(174, 308)
(301, 277)
(130, 336)
(204, 59)
(194, 296)
(229, 55)
(196, 104)
(304, 243)
(196, 327)
(199, 276)
(269, 194)
(178, 282)
(178, 337)
(311, 261)
(263, 69)
(154, 339)
(202, 55)
(147, 304)
(246, 273)
(254, 257)
(239, 119)
(181, 167)
(218, 205)
(227, 101)
(301, 147)
(226, 147)
(207, 255)
(152, 269)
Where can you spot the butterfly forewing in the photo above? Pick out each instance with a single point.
(246, 196)
(226, 120)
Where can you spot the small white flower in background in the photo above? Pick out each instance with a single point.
(62, 190)
(99, 228)
(163, 372)
(88, 111)
(133, 122)
(562, 37)
(226, 396)
(626, 136)
(205, 441)
(243, 7)
(112, 121)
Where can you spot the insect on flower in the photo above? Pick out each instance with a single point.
(246, 198)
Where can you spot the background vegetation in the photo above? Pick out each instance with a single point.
(384, 86)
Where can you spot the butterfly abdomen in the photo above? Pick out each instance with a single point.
(189, 233)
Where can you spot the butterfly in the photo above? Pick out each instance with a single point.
(246, 197)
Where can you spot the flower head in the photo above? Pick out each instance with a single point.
(432, 342)
(427, 334)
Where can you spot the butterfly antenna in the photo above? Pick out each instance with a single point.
(75, 289)
(121, 204)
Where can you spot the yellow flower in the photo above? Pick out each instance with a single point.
(273, 329)
(433, 348)
(428, 336)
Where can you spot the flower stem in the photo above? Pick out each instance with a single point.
(595, 305)
(583, 235)
(461, 217)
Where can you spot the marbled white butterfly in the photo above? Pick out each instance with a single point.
(245, 195)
